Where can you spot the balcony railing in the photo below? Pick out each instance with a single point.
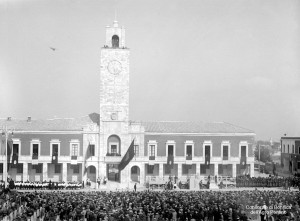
(113, 154)
(151, 157)
(73, 157)
(35, 156)
(225, 157)
(189, 157)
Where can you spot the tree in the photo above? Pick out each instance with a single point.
(265, 154)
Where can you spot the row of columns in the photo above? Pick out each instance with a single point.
(64, 171)
(216, 170)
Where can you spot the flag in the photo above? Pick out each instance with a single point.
(207, 160)
(15, 159)
(87, 155)
(9, 151)
(2, 146)
(243, 162)
(54, 154)
(127, 157)
(170, 162)
(54, 158)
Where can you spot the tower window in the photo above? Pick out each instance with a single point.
(115, 41)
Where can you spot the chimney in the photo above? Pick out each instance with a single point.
(8, 118)
(29, 119)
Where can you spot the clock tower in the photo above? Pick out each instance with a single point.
(115, 137)
(114, 76)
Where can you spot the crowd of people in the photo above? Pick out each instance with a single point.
(49, 185)
(271, 181)
(150, 205)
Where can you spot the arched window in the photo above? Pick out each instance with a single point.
(113, 145)
(115, 41)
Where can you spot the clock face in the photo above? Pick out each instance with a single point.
(114, 116)
(114, 67)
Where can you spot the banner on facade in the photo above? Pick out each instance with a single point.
(170, 162)
(243, 162)
(207, 160)
(9, 151)
(127, 157)
(54, 156)
(15, 159)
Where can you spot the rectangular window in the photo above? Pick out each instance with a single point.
(57, 168)
(113, 148)
(225, 152)
(136, 150)
(298, 150)
(38, 168)
(1, 167)
(75, 168)
(171, 150)
(92, 149)
(152, 151)
(189, 150)
(92, 170)
(15, 149)
(20, 168)
(243, 151)
(54, 149)
(207, 151)
(35, 151)
(74, 150)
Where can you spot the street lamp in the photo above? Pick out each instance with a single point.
(6, 133)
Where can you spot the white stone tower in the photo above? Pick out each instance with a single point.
(114, 103)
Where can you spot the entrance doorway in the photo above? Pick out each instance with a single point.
(113, 173)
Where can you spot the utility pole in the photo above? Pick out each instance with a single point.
(5, 133)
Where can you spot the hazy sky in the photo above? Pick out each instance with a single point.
(235, 61)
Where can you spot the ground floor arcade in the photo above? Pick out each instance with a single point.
(134, 172)
(59, 172)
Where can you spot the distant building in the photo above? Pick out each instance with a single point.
(94, 145)
(290, 154)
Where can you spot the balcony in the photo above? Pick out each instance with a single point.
(225, 157)
(113, 155)
(35, 156)
(189, 157)
(73, 157)
(151, 157)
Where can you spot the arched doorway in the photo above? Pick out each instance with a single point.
(115, 41)
(91, 173)
(135, 174)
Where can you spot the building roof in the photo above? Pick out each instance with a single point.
(192, 127)
(290, 138)
(77, 124)
(56, 124)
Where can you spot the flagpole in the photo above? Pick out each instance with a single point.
(6, 133)
(258, 158)
(5, 172)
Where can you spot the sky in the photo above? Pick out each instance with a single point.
(198, 60)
